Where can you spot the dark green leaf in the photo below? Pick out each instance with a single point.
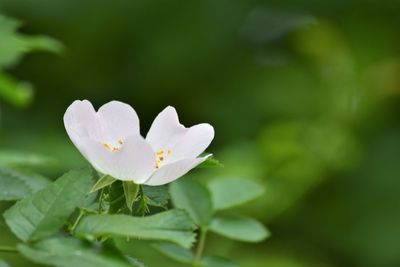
(44, 212)
(16, 185)
(67, 252)
(230, 192)
(130, 191)
(157, 196)
(175, 252)
(193, 197)
(214, 261)
(117, 199)
(173, 225)
(239, 228)
(104, 181)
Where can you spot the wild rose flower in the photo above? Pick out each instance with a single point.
(110, 140)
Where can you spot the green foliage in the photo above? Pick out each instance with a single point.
(14, 45)
(13, 158)
(3, 263)
(157, 196)
(66, 252)
(131, 191)
(16, 185)
(230, 192)
(239, 228)
(215, 261)
(173, 225)
(43, 213)
(175, 252)
(104, 181)
(190, 195)
(210, 162)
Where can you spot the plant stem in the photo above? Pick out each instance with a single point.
(200, 247)
(101, 201)
(78, 219)
(8, 249)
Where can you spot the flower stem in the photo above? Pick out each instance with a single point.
(101, 201)
(200, 247)
(78, 219)
(8, 249)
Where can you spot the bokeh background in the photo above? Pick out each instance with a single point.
(304, 96)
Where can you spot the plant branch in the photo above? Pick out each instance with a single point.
(78, 219)
(200, 247)
(8, 249)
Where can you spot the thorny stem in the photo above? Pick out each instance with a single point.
(200, 247)
(8, 249)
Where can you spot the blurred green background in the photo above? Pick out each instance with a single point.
(304, 96)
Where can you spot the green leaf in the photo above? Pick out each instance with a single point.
(193, 197)
(67, 252)
(18, 93)
(104, 181)
(117, 199)
(174, 252)
(239, 228)
(3, 264)
(13, 158)
(210, 162)
(14, 45)
(157, 196)
(230, 192)
(131, 191)
(215, 261)
(173, 225)
(16, 185)
(44, 212)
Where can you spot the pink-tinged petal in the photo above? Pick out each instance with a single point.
(173, 171)
(166, 129)
(134, 160)
(118, 120)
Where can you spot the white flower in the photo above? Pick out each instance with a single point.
(110, 140)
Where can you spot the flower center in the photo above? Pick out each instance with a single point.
(114, 147)
(160, 157)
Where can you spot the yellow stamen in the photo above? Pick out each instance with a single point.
(120, 141)
(169, 151)
(107, 146)
(161, 158)
(160, 152)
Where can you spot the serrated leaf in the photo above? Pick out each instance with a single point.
(210, 162)
(16, 185)
(104, 181)
(158, 196)
(229, 192)
(44, 212)
(130, 191)
(174, 252)
(239, 228)
(67, 252)
(190, 195)
(173, 225)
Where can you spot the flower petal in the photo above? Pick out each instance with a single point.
(167, 133)
(118, 120)
(166, 129)
(173, 171)
(80, 120)
(193, 143)
(134, 161)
